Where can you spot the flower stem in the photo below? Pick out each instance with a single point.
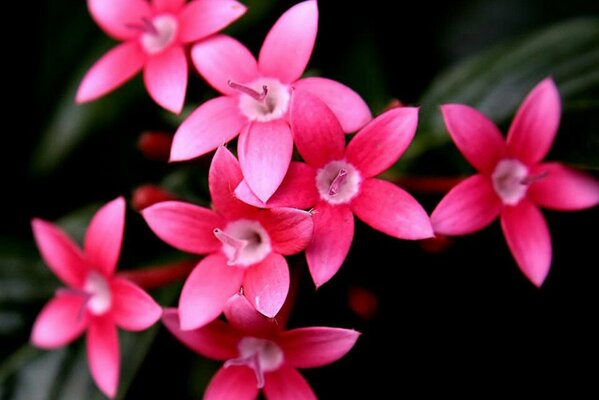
(157, 276)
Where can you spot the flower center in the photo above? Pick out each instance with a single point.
(262, 100)
(158, 33)
(338, 182)
(261, 355)
(511, 179)
(245, 242)
(98, 290)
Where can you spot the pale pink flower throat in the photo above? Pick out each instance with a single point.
(261, 355)
(157, 33)
(96, 293)
(245, 242)
(511, 179)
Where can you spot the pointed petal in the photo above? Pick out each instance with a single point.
(202, 18)
(60, 253)
(316, 131)
(172, 6)
(378, 145)
(297, 190)
(103, 355)
(265, 151)
(469, 207)
(288, 46)
(347, 105)
(104, 236)
(266, 284)
(232, 383)
(221, 59)
(132, 308)
(184, 226)
(290, 229)
(317, 346)
(60, 322)
(564, 188)
(528, 238)
(165, 77)
(242, 315)
(115, 16)
(533, 130)
(111, 71)
(391, 210)
(206, 291)
(216, 340)
(477, 138)
(224, 176)
(333, 235)
(212, 124)
(287, 383)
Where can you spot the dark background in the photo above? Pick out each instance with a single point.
(464, 321)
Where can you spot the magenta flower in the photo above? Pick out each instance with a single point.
(512, 181)
(257, 98)
(96, 300)
(340, 182)
(245, 246)
(258, 354)
(155, 34)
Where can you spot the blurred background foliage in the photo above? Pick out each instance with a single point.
(435, 318)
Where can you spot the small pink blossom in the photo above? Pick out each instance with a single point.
(340, 182)
(257, 96)
(154, 35)
(512, 181)
(259, 354)
(245, 246)
(96, 301)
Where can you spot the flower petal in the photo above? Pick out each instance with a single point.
(242, 315)
(103, 354)
(287, 383)
(290, 229)
(217, 340)
(297, 189)
(104, 236)
(478, 139)
(265, 151)
(202, 18)
(60, 253)
(564, 188)
(221, 59)
(111, 71)
(116, 16)
(288, 46)
(316, 131)
(347, 105)
(266, 284)
(132, 308)
(333, 235)
(533, 130)
(232, 383)
(212, 124)
(165, 77)
(167, 5)
(206, 291)
(316, 346)
(391, 210)
(185, 226)
(527, 235)
(378, 145)
(469, 207)
(60, 322)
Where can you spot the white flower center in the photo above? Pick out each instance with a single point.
(263, 100)
(245, 242)
(98, 290)
(338, 182)
(510, 181)
(261, 355)
(158, 33)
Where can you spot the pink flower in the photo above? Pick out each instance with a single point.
(154, 35)
(258, 354)
(96, 300)
(512, 181)
(245, 246)
(341, 181)
(257, 98)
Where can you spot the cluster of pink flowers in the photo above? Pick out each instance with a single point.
(267, 205)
